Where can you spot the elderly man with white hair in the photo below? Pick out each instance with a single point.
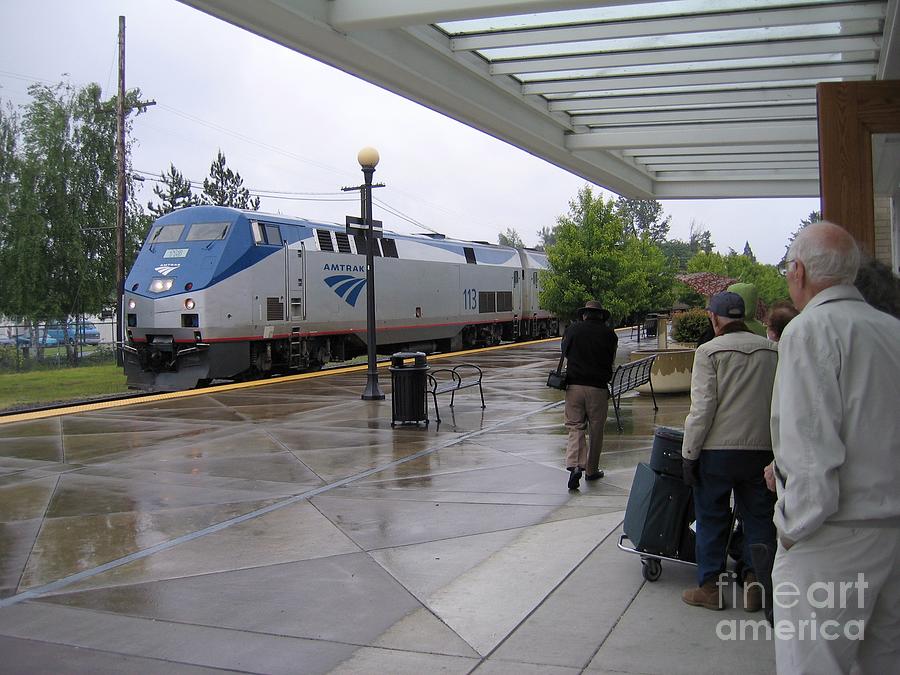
(836, 438)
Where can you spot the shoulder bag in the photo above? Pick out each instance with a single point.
(557, 378)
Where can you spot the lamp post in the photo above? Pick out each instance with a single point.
(368, 160)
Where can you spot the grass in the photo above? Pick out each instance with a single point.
(62, 384)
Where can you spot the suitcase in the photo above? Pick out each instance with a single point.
(665, 457)
(657, 513)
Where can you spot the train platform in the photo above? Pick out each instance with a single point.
(288, 528)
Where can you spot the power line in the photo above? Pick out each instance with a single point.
(274, 194)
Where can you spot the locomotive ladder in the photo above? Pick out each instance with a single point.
(295, 354)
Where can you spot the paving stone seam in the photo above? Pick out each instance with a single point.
(163, 546)
(618, 620)
(131, 655)
(550, 592)
(229, 629)
(38, 533)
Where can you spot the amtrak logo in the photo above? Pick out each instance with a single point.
(347, 287)
(165, 270)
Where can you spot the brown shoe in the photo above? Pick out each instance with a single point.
(753, 593)
(708, 595)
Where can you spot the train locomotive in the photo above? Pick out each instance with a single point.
(220, 293)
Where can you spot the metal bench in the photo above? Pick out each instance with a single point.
(630, 376)
(462, 376)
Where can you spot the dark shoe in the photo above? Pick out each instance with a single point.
(574, 478)
(708, 595)
(595, 476)
(753, 593)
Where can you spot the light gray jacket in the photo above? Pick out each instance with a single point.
(836, 417)
(731, 395)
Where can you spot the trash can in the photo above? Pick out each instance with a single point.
(650, 325)
(409, 402)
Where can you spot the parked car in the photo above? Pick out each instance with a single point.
(46, 341)
(84, 333)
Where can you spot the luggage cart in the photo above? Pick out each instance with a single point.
(651, 563)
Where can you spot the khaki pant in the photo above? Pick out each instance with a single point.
(585, 407)
(866, 561)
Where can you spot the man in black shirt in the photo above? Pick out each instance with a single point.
(590, 347)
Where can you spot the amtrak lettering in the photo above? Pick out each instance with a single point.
(333, 267)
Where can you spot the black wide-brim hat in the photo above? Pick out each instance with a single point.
(596, 307)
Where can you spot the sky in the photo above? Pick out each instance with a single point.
(291, 125)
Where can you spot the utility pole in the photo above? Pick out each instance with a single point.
(120, 193)
(121, 187)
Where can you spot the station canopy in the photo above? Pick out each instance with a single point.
(653, 100)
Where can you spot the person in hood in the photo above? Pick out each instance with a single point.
(750, 295)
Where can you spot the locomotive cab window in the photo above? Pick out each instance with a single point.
(266, 234)
(164, 233)
(207, 231)
(470, 255)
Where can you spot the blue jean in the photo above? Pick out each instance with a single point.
(721, 472)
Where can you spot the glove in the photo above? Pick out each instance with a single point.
(689, 472)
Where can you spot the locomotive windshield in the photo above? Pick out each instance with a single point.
(207, 231)
(162, 233)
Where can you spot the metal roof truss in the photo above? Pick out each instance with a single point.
(672, 99)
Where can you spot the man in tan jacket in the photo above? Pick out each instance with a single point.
(727, 445)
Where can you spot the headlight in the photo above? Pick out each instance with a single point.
(161, 285)
(189, 304)
(131, 303)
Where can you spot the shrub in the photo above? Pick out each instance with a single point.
(689, 326)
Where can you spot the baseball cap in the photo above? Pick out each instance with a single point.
(727, 304)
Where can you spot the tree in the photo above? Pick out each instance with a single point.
(677, 254)
(700, 240)
(813, 217)
(594, 258)
(510, 238)
(748, 252)
(644, 217)
(224, 187)
(546, 237)
(57, 248)
(175, 192)
(769, 283)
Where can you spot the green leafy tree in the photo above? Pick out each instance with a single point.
(174, 192)
(594, 258)
(769, 283)
(546, 237)
(677, 254)
(708, 262)
(700, 239)
(510, 238)
(225, 187)
(57, 248)
(644, 217)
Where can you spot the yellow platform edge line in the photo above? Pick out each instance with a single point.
(154, 398)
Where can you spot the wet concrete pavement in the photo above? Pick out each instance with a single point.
(285, 529)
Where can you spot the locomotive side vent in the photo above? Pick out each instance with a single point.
(325, 243)
(487, 302)
(504, 301)
(343, 242)
(274, 309)
(389, 246)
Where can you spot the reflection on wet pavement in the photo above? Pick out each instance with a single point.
(441, 562)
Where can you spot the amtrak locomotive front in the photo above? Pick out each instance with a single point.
(218, 293)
